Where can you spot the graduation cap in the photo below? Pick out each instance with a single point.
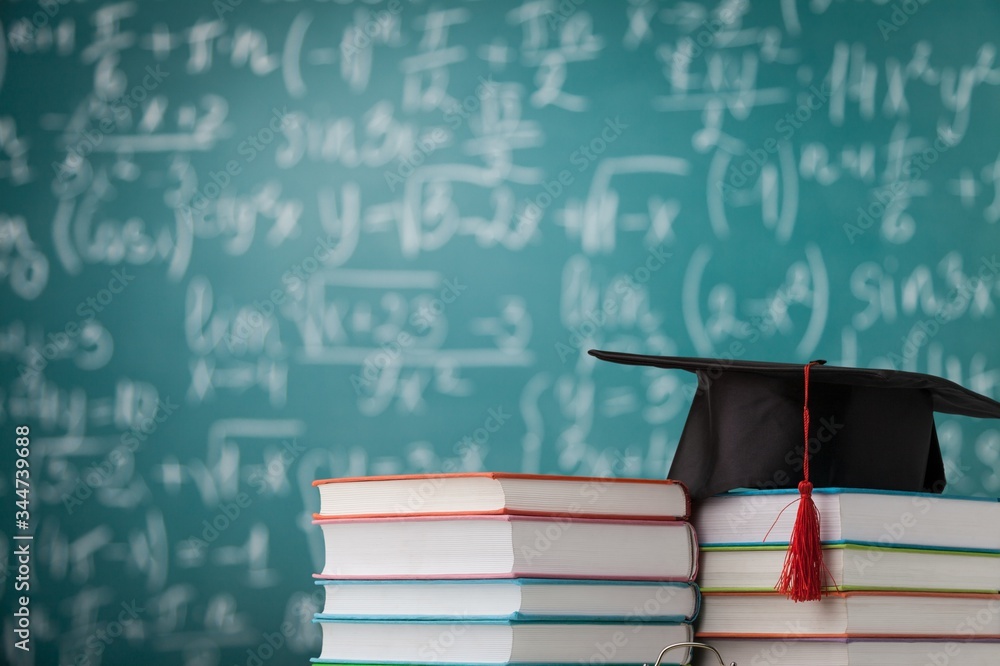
(755, 424)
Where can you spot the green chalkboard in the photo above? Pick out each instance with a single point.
(248, 244)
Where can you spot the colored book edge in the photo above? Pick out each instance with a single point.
(542, 517)
(855, 491)
(493, 581)
(443, 663)
(506, 576)
(909, 638)
(596, 582)
(845, 543)
(511, 619)
(508, 512)
(853, 545)
(964, 639)
(693, 543)
(871, 593)
(830, 589)
(844, 594)
(502, 475)
(499, 622)
(511, 475)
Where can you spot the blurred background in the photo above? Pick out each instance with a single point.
(245, 245)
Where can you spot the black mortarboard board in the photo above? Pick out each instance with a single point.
(870, 428)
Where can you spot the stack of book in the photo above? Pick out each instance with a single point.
(910, 579)
(495, 568)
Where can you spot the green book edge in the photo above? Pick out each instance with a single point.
(858, 546)
(859, 588)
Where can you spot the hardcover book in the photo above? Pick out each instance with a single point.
(881, 518)
(851, 566)
(503, 546)
(538, 599)
(416, 642)
(859, 652)
(499, 493)
(850, 615)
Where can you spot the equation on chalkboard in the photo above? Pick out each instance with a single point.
(246, 244)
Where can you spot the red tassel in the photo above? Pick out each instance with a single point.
(802, 575)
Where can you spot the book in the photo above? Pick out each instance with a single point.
(500, 642)
(503, 546)
(514, 599)
(882, 518)
(850, 614)
(859, 652)
(854, 567)
(499, 493)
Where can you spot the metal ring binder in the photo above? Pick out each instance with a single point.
(693, 645)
